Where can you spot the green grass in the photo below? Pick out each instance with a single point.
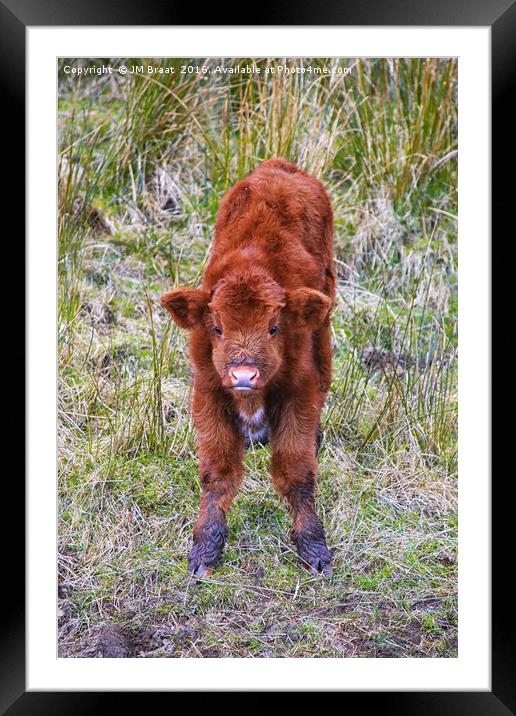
(143, 165)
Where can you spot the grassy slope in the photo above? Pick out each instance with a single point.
(153, 157)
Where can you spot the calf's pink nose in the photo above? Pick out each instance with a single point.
(243, 377)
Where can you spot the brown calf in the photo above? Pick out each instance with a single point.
(260, 349)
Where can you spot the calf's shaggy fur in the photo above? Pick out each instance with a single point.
(260, 350)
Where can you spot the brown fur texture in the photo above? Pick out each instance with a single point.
(261, 321)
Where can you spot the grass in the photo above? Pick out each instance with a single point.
(143, 163)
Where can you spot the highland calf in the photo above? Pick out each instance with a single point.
(261, 351)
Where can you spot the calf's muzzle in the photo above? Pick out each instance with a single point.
(244, 377)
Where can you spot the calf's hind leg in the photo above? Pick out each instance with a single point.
(221, 472)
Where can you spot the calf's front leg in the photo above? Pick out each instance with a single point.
(221, 472)
(294, 470)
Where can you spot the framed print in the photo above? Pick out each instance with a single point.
(261, 256)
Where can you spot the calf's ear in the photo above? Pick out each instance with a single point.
(186, 305)
(309, 305)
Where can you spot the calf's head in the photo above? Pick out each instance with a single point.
(247, 319)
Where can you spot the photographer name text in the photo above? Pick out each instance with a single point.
(206, 70)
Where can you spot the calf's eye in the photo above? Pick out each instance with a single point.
(218, 330)
(273, 330)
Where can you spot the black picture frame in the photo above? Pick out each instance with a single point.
(500, 16)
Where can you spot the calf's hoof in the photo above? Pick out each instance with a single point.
(199, 564)
(207, 550)
(314, 553)
(199, 570)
